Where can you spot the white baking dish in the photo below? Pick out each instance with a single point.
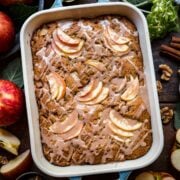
(91, 10)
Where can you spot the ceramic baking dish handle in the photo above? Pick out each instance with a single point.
(122, 175)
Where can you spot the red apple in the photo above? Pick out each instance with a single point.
(7, 32)
(11, 103)
(10, 2)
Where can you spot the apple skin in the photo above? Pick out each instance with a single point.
(20, 168)
(11, 2)
(11, 103)
(7, 32)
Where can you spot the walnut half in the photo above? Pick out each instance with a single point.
(166, 114)
(166, 72)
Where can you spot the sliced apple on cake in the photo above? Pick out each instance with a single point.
(132, 89)
(66, 125)
(69, 128)
(93, 93)
(57, 85)
(65, 45)
(115, 42)
(124, 123)
(98, 65)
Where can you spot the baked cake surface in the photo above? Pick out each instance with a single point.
(91, 91)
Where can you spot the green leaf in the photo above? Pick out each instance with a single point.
(20, 12)
(163, 18)
(13, 72)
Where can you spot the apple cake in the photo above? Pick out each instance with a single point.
(90, 90)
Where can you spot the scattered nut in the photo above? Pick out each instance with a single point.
(159, 86)
(165, 78)
(165, 67)
(166, 72)
(166, 114)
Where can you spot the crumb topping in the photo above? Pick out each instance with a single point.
(91, 91)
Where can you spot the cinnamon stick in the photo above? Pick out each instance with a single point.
(171, 54)
(175, 39)
(170, 50)
(175, 45)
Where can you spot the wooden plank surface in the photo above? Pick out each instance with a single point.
(170, 89)
(168, 97)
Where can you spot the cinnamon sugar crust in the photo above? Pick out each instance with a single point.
(91, 91)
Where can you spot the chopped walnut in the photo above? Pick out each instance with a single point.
(159, 86)
(166, 72)
(165, 78)
(166, 114)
